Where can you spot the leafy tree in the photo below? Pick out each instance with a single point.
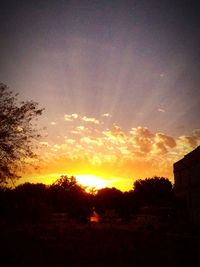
(153, 191)
(65, 182)
(108, 199)
(30, 201)
(66, 195)
(18, 134)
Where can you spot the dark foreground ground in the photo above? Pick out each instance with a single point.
(97, 245)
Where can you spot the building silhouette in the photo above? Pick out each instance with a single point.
(187, 185)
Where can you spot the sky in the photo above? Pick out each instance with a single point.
(119, 81)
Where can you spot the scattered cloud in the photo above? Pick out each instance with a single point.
(92, 120)
(166, 140)
(70, 141)
(67, 117)
(141, 139)
(74, 132)
(92, 141)
(196, 133)
(188, 141)
(161, 110)
(106, 115)
(55, 148)
(137, 153)
(142, 132)
(74, 115)
(81, 128)
(71, 117)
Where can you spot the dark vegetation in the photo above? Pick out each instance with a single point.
(32, 202)
(18, 133)
(49, 226)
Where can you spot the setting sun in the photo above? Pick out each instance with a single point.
(92, 181)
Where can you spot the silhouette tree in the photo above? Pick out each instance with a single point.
(153, 191)
(108, 199)
(66, 195)
(30, 201)
(129, 205)
(18, 133)
(65, 182)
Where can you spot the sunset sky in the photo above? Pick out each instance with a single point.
(119, 81)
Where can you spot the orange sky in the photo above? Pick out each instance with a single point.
(91, 151)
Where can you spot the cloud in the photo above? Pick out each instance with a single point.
(71, 117)
(67, 117)
(75, 132)
(70, 141)
(95, 160)
(115, 136)
(106, 115)
(188, 141)
(142, 139)
(196, 133)
(124, 150)
(142, 131)
(92, 120)
(53, 123)
(161, 110)
(133, 154)
(160, 148)
(92, 141)
(163, 143)
(74, 115)
(81, 128)
(56, 147)
(166, 140)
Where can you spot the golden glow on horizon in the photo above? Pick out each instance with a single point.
(107, 157)
(92, 181)
(96, 181)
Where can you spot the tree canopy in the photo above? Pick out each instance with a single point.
(154, 190)
(18, 133)
(65, 182)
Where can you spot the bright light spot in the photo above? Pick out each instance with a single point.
(95, 218)
(91, 181)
